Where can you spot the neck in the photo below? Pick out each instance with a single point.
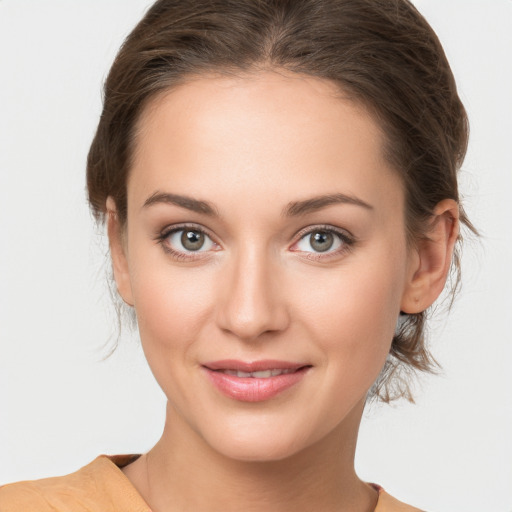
(182, 472)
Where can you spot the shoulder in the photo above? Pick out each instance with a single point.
(98, 487)
(389, 504)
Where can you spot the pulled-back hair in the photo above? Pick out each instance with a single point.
(382, 53)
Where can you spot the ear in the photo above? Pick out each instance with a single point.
(118, 253)
(432, 259)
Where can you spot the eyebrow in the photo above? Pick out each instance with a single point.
(297, 208)
(189, 203)
(292, 209)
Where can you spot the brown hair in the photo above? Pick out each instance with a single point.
(381, 52)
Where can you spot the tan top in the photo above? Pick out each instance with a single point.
(101, 486)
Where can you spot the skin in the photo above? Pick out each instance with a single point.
(250, 146)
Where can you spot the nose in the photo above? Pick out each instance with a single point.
(251, 300)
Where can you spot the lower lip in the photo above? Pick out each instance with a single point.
(253, 389)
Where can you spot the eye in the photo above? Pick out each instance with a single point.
(186, 240)
(323, 240)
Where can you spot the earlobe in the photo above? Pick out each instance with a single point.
(432, 259)
(118, 253)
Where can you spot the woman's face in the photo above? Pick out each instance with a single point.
(265, 233)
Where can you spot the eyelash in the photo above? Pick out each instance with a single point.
(347, 241)
(164, 235)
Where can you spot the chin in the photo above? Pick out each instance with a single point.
(259, 443)
(258, 451)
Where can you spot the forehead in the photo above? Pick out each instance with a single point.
(303, 106)
(255, 133)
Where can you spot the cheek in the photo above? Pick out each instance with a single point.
(356, 332)
(172, 306)
(352, 313)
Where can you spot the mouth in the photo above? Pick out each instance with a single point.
(255, 381)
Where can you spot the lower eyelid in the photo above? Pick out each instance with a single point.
(327, 256)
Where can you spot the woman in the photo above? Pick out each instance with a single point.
(279, 184)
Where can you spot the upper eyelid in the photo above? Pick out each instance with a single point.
(173, 228)
(324, 227)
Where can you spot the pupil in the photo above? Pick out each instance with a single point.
(321, 241)
(192, 240)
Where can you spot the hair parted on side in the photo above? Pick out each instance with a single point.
(382, 53)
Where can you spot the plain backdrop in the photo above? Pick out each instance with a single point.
(61, 405)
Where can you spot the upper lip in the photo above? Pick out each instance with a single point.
(254, 366)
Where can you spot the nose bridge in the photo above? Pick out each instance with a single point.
(252, 303)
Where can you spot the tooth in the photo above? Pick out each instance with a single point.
(263, 374)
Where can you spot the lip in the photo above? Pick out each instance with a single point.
(254, 389)
(254, 366)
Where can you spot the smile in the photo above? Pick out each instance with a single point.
(254, 382)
